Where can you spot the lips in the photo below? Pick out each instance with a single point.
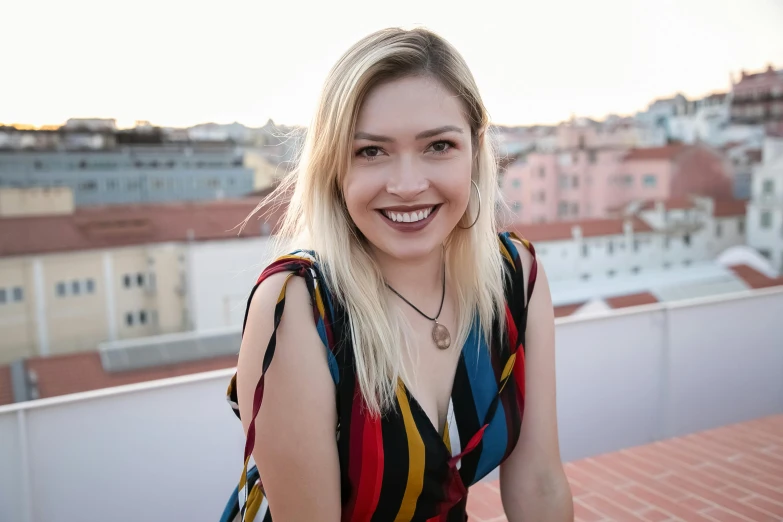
(411, 216)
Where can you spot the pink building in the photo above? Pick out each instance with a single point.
(591, 183)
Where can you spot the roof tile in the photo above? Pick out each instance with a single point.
(755, 279)
(562, 230)
(625, 301)
(126, 225)
(667, 152)
(6, 388)
(730, 207)
(80, 372)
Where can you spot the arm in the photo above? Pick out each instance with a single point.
(533, 485)
(295, 446)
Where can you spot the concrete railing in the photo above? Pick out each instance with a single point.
(171, 449)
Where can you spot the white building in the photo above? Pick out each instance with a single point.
(765, 210)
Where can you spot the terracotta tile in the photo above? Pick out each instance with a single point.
(709, 494)
(735, 493)
(773, 508)
(655, 515)
(583, 513)
(610, 510)
(695, 503)
(665, 504)
(722, 515)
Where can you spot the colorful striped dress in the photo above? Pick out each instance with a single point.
(397, 467)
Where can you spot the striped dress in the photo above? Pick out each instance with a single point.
(398, 467)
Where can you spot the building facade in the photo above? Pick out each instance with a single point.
(758, 99)
(765, 209)
(69, 282)
(593, 183)
(132, 174)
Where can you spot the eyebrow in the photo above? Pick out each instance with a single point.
(420, 136)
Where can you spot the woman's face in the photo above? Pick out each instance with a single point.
(409, 180)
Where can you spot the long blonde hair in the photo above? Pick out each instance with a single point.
(316, 217)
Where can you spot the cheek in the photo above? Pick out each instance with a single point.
(358, 192)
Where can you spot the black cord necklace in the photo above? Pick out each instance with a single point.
(440, 334)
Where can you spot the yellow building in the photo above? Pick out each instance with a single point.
(78, 277)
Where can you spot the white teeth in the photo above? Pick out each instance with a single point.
(408, 217)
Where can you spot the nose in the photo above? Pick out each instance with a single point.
(405, 180)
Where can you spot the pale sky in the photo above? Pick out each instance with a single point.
(182, 62)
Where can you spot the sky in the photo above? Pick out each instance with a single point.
(180, 62)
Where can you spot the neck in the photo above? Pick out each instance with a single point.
(419, 280)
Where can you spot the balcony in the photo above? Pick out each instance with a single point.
(172, 450)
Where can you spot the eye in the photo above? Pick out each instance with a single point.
(441, 147)
(369, 153)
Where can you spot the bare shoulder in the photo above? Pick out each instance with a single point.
(291, 454)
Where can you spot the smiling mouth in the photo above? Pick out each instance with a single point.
(408, 217)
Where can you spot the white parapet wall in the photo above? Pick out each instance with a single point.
(172, 449)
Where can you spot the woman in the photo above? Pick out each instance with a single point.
(396, 353)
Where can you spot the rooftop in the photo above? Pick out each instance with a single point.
(667, 152)
(626, 379)
(563, 230)
(733, 473)
(128, 225)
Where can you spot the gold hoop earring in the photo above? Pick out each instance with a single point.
(478, 195)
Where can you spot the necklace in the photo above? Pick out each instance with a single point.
(440, 334)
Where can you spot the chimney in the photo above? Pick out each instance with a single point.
(660, 208)
(576, 232)
(627, 227)
(191, 234)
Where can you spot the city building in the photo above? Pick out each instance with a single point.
(614, 132)
(133, 174)
(592, 183)
(80, 277)
(758, 99)
(765, 209)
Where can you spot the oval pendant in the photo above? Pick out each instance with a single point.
(441, 336)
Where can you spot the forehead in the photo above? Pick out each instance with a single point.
(409, 105)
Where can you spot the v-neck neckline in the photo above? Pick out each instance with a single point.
(429, 425)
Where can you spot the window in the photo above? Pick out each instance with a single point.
(687, 262)
(767, 187)
(649, 180)
(111, 184)
(666, 242)
(585, 250)
(718, 229)
(542, 196)
(60, 289)
(140, 279)
(741, 226)
(575, 181)
(89, 286)
(126, 281)
(667, 265)
(562, 208)
(516, 206)
(591, 156)
(766, 219)
(88, 185)
(636, 270)
(636, 245)
(18, 293)
(142, 317)
(563, 182)
(516, 182)
(129, 319)
(686, 239)
(76, 287)
(610, 273)
(610, 248)
(157, 183)
(766, 253)
(585, 277)
(3, 296)
(574, 209)
(541, 172)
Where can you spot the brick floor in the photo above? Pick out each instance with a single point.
(729, 474)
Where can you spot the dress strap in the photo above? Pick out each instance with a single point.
(250, 490)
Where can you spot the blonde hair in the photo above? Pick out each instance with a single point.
(317, 218)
